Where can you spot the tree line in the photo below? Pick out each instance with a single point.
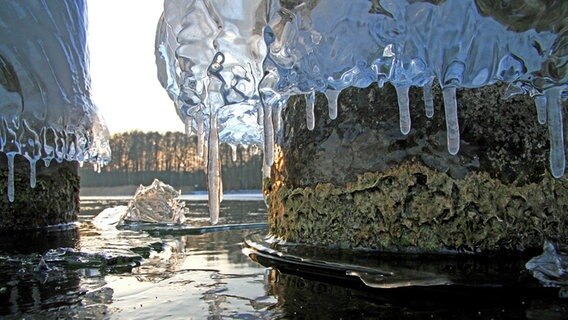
(139, 157)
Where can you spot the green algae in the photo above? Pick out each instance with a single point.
(415, 208)
(54, 200)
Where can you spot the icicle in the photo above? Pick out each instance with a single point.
(188, 122)
(200, 136)
(276, 117)
(32, 172)
(47, 161)
(452, 124)
(213, 171)
(332, 96)
(310, 104)
(97, 166)
(221, 193)
(259, 114)
(428, 100)
(268, 136)
(555, 132)
(403, 108)
(10, 157)
(233, 152)
(265, 170)
(540, 102)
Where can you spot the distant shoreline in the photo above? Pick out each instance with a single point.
(129, 190)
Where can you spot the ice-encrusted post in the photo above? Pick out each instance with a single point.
(410, 193)
(53, 201)
(46, 113)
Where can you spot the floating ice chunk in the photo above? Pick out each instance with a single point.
(551, 267)
(156, 203)
(403, 109)
(111, 217)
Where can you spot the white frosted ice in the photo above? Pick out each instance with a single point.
(271, 53)
(46, 110)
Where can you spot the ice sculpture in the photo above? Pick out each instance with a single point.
(46, 110)
(210, 58)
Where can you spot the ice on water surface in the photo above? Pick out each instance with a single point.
(551, 267)
(270, 53)
(46, 112)
(156, 203)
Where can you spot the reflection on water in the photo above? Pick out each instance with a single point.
(152, 272)
(94, 273)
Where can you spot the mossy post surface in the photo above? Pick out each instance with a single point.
(358, 182)
(54, 200)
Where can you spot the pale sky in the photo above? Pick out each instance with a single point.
(125, 86)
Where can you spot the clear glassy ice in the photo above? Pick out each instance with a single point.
(46, 110)
(271, 53)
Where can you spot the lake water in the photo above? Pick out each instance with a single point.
(234, 272)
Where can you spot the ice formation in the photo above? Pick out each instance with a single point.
(209, 56)
(46, 112)
(551, 267)
(156, 203)
(228, 62)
